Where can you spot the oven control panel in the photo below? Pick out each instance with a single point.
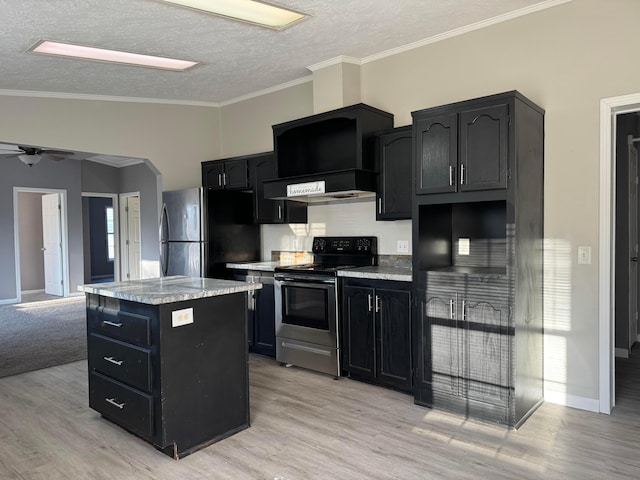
(345, 245)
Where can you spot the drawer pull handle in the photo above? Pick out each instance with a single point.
(113, 324)
(113, 402)
(113, 360)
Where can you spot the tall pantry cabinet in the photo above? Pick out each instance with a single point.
(477, 261)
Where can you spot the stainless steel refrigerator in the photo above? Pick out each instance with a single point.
(202, 229)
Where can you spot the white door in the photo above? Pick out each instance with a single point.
(132, 239)
(633, 245)
(52, 244)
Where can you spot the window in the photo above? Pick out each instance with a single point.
(111, 249)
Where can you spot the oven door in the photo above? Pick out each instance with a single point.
(306, 309)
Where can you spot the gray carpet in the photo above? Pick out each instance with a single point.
(40, 334)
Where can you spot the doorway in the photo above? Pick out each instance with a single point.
(130, 243)
(100, 232)
(610, 109)
(48, 268)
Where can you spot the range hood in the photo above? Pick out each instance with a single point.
(328, 156)
(323, 187)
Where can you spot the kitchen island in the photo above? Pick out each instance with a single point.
(168, 359)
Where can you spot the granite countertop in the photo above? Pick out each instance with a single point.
(401, 274)
(262, 266)
(157, 291)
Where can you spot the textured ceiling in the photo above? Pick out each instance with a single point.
(237, 59)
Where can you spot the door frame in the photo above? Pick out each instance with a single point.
(610, 108)
(64, 226)
(116, 227)
(123, 197)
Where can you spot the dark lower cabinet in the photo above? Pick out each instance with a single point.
(261, 312)
(178, 385)
(465, 364)
(376, 326)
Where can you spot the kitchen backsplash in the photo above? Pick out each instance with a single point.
(345, 218)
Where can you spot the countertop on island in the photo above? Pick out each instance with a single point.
(157, 291)
(401, 274)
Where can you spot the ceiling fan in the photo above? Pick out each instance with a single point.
(32, 155)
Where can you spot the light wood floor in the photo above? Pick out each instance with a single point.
(309, 426)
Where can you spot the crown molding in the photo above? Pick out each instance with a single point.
(276, 88)
(466, 29)
(335, 61)
(102, 98)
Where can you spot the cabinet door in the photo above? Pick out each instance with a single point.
(358, 325)
(265, 211)
(212, 173)
(436, 154)
(394, 192)
(265, 331)
(487, 351)
(444, 343)
(393, 342)
(484, 148)
(263, 168)
(236, 175)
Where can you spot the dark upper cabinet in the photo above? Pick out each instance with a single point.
(461, 148)
(263, 167)
(377, 332)
(229, 174)
(394, 160)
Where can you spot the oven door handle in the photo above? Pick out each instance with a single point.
(309, 280)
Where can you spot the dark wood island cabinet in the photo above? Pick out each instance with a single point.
(168, 359)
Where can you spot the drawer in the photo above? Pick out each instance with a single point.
(124, 362)
(129, 327)
(121, 404)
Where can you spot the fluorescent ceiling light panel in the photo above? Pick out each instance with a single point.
(113, 56)
(250, 11)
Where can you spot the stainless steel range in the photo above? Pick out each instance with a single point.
(308, 306)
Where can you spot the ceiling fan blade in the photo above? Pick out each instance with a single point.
(46, 151)
(4, 148)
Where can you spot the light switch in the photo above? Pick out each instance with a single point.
(584, 255)
(464, 246)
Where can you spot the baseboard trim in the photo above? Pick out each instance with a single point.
(8, 301)
(622, 353)
(573, 401)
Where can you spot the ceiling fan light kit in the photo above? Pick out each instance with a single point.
(30, 160)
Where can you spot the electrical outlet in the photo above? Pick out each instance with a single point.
(402, 246)
(584, 255)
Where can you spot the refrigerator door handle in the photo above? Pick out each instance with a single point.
(164, 259)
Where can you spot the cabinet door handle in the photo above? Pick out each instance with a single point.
(462, 174)
(113, 402)
(279, 212)
(113, 324)
(377, 303)
(464, 307)
(451, 312)
(370, 301)
(450, 176)
(380, 205)
(219, 179)
(114, 361)
(224, 179)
